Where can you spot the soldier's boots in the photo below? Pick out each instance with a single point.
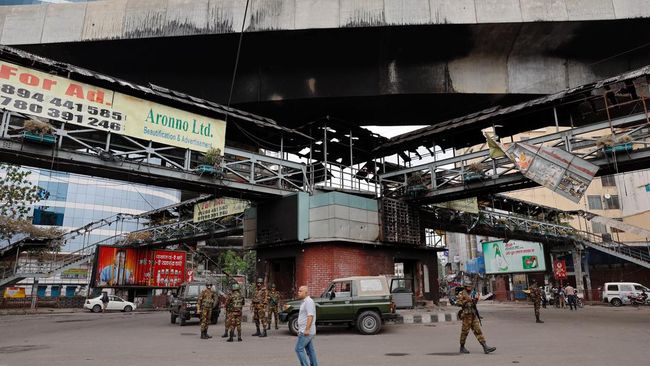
(204, 335)
(487, 349)
(276, 325)
(238, 335)
(538, 320)
(463, 349)
(264, 333)
(232, 333)
(225, 334)
(207, 336)
(257, 334)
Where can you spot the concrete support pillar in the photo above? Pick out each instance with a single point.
(34, 294)
(577, 269)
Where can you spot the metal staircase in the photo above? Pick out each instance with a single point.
(156, 236)
(636, 255)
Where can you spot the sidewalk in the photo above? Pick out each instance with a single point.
(437, 314)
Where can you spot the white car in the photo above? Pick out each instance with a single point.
(114, 303)
(616, 293)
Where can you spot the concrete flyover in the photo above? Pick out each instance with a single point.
(373, 61)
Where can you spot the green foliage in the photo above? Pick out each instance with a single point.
(17, 194)
(239, 263)
(213, 156)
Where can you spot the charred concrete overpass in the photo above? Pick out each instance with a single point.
(367, 62)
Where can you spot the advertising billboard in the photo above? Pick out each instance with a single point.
(218, 207)
(515, 256)
(36, 93)
(130, 267)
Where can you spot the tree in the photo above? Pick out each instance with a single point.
(17, 194)
(239, 263)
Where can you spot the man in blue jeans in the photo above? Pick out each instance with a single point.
(306, 328)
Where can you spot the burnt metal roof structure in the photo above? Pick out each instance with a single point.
(251, 129)
(571, 107)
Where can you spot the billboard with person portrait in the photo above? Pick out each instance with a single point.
(134, 267)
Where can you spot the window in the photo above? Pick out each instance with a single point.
(627, 287)
(595, 203)
(52, 216)
(598, 228)
(612, 203)
(342, 289)
(640, 288)
(612, 287)
(608, 181)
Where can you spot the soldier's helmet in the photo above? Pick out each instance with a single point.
(235, 287)
(273, 285)
(260, 281)
(208, 283)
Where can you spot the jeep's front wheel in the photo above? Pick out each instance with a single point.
(293, 324)
(369, 323)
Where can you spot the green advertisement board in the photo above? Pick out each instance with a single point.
(515, 256)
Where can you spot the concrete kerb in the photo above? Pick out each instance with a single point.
(426, 316)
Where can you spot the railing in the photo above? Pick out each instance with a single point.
(453, 173)
(640, 253)
(238, 166)
(332, 175)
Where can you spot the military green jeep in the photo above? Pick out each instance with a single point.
(363, 302)
(183, 306)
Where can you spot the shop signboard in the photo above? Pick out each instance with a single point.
(132, 267)
(14, 293)
(219, 207)
(513, 256)
(40, 94)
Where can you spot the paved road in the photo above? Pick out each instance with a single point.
(591, 336)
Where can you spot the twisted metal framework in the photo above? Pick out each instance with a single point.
(447, 179)
(78, 149)
(46, 264)
(507, 225)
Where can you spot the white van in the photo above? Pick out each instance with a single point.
(616, 293)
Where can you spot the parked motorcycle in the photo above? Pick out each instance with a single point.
(639, 299)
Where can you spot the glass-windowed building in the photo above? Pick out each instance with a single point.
(72, 201)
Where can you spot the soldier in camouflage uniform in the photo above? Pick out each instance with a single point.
(536, 296)
(226, 298)
(204, 306)
(234, 305)
(470, 320)
(274, 306)
(258, 306)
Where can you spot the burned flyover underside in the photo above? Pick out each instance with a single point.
(372, 76)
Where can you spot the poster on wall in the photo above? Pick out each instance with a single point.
(32, 92)
(515, 256)
(219, 207)
(559, 269)
(130, 267)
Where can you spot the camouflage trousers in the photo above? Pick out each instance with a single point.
(536, 305)
(233, 321)
(273, 314)
(259, 313)
(471, 322)
(206, 316)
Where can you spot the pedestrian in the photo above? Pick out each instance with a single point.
(562, 296)
(570, 292)
(536, 296)
(204, 307)
(556, 297)
(258, 307)
(104, 301)
(234, 304)
(306, 328)
(469, 316)
(274, 306)
(544, 298)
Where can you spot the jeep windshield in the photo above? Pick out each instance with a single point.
(194, 290)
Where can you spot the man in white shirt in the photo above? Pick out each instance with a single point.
(571, 296)
(306, 328)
